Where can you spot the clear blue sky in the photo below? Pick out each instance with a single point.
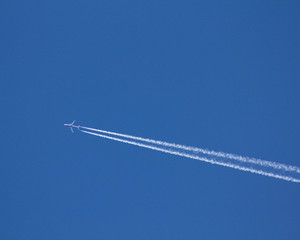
(213, 74)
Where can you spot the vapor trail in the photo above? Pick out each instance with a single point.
(260, 162)
(178, 153)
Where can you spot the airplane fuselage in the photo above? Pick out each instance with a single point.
(71, 125)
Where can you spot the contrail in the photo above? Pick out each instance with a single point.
(260, 162)
(212, 161)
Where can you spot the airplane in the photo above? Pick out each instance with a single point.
(71, 125)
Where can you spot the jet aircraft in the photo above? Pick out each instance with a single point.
(71, 125)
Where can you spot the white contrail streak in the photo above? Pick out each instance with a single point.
(247, 169)
(205, 151)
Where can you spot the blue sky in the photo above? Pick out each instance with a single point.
(212, 74)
